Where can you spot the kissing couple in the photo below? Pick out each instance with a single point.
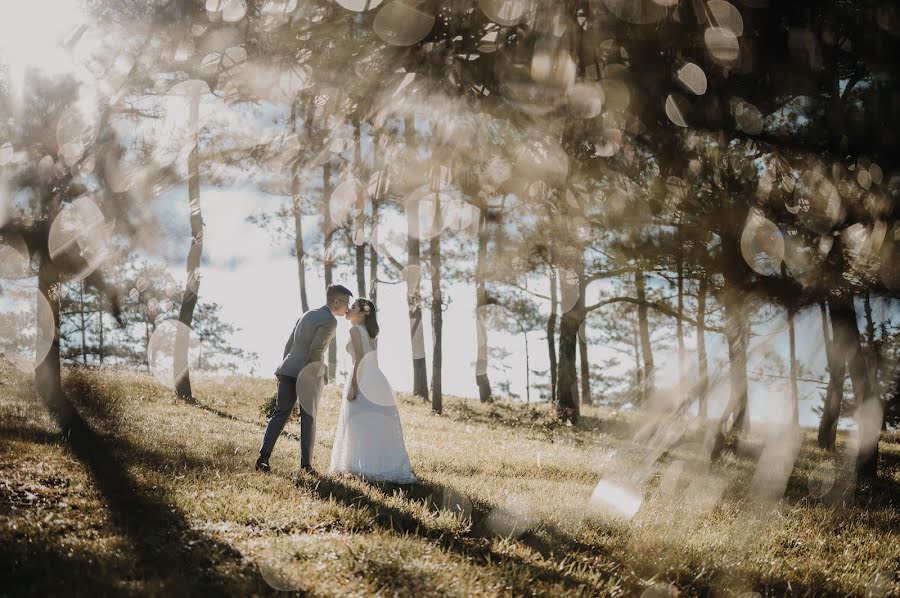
(368, 441)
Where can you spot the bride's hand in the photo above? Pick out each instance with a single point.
(351, 394)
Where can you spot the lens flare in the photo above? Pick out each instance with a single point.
(615, 500)
(400, 23)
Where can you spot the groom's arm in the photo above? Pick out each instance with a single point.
(324, 334)
(290, 340)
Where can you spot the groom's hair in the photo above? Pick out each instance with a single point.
(334, 291)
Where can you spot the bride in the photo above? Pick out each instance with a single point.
(368, 441)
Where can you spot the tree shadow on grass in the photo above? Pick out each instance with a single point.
(884, 491)
(556, 546)
(27, 434)
(476, 545)
(390, 577)
(829, 478)
(614, 426)
(80, 383)
(107, 427)
(28, 571)
(168, 551)
(234, 418)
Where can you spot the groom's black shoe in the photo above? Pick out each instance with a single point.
(262, 464)
(308, 468)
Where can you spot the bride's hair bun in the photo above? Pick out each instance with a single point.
(371, 321)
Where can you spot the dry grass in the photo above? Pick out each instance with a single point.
(156, 496)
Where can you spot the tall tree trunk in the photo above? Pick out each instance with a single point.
(834, 394)
(417, 340)
(551, 333)
(414, 295)
(481, 359)
(359, 245)
(567, 406)
(585, 371)
(583, 348)
(527, 369)
(376, 203)
(299, 249)
(47, 372)
(373, 257)
(868, 413)
(831, 411)
(567, 392)
(414, 307)
(679, 325)
(702, 366)
(437, 312)
(794, 367)
(81, 315)
(297, 206)
(327, 257)
(360, 252)
(638, 370)
(870, 322)
(873, 356)
(737, 333)
(644, 329)
(826, 336)
(856, 356)
(192, 287)
(795, 392)
(100, 347)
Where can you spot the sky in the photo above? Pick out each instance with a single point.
(30, 36)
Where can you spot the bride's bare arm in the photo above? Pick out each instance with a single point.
(356, 343)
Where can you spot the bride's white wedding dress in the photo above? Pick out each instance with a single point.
(368, 441)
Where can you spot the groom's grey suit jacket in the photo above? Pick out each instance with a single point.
(311, 335)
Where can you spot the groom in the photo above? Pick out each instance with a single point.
(306, 345)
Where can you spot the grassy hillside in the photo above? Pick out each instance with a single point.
(155, 496)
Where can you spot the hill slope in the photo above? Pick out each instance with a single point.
(155, 496)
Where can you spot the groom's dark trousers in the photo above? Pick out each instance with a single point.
(305, 348)
(284, 403)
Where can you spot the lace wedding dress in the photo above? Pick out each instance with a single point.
(368, 441)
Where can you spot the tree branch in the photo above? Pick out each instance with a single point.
(660, 307)
(529, 291)
(819, 382)
(608, 274)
